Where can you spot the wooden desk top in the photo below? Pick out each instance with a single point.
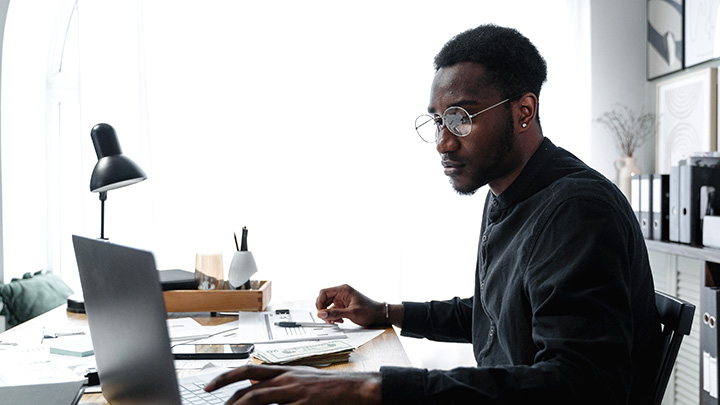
(384, 350)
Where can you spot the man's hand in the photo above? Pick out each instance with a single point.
(340, 302)
(300, 385)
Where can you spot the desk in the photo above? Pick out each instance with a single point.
(384, 350)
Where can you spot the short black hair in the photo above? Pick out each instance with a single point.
(512, 64)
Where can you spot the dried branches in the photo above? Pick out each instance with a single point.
(631, 129)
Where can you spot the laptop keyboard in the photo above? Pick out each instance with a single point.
(193, 393)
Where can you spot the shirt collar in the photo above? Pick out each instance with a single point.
(531, 179)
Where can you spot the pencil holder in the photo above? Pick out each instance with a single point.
(241, 269)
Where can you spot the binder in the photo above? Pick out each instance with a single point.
(646, 205)
(709, 346)
(697, 176)
(711, 231)
(660, 206)
(674, 221)
(684, 205)
(635, 195)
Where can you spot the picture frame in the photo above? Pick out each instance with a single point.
(701, 17)
(686, 117)
(665, 39)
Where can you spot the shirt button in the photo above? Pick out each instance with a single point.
(484, 238)
(482, 285)
(494, 203)
(492, 332)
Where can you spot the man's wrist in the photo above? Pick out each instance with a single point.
(372, 388)
(392, 314)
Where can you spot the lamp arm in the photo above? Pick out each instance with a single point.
(103, 197)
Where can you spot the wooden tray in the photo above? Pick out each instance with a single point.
(256, 299)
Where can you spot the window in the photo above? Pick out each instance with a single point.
(265, 115)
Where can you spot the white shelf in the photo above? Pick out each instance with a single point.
(701, 253)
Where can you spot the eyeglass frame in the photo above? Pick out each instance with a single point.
(439, 127)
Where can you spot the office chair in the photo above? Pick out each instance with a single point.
(676, 317)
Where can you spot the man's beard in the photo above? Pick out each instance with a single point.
(486, 173)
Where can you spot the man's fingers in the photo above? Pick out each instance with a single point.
(248, 372)
(325, 298)
(334, 314)
(333, 295)
(262, 394)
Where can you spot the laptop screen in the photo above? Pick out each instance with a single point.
(127, 319)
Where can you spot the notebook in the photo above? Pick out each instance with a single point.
(127, 319)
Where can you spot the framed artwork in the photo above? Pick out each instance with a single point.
(665, 45)
(686, 117)
(701, 44)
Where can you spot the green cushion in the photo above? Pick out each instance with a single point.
(31, 296)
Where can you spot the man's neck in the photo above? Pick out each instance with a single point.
(526, 148)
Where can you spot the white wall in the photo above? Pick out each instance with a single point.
(618, 76)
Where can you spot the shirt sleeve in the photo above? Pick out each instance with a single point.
(445, 321)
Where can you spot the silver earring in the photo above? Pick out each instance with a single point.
(524, 124)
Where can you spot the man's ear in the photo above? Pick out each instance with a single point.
(525, 111)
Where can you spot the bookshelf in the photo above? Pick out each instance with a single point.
(684, 270)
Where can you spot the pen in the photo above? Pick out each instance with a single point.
(305, 324)
(236, 244)
(61, 334)
(243, 246)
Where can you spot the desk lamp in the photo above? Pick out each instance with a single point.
(113, 169)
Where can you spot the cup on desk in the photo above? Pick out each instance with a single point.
(209, 273)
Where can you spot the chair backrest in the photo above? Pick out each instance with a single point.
(676, 317)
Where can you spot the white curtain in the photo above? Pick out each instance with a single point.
(294, 119)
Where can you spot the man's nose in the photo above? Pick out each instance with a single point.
(448, 142)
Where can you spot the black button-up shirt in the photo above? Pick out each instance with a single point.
(564, 305)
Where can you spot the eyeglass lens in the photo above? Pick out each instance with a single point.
(455, 119)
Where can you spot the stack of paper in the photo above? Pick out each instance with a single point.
(27, 376)
(308, 354)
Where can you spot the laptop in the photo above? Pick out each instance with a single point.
(128, 325)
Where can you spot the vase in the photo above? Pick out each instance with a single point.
(627, 168)
(241, 269)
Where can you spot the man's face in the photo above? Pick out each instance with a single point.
(485, 154)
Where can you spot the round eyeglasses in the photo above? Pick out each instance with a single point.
(456, 119)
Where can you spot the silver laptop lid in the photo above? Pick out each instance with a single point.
(127, 319)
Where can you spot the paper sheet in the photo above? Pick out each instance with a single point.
(28, 377)
(201, 364)
(184, 329)
(259, 327)
(358, 336)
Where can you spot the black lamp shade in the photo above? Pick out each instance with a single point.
(113, 169)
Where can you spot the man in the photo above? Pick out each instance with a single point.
(563, 309)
